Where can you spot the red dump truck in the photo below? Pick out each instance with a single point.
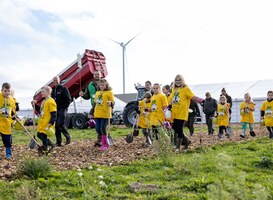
(76, 78)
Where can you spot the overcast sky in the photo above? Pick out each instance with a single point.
(206, 41)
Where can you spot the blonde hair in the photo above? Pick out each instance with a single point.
(179, 76)
(47, 88)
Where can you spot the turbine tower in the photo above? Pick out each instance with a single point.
(123, 57)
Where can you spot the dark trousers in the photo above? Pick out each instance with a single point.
(178, 127)
(7, 140)
(155, 132)
(189, 124)
(209, 122)
(270, 129)
(44, 139)
(101, 124)
(222, 129)
(60, 127)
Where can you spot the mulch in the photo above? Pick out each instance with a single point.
(82, 153)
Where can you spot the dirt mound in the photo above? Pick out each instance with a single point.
(82, 153)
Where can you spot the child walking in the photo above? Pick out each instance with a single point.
(102, 111)
(247, 109)
(47, 117)
(7, 111)
(144, 117)
(223, 117)
(267, 113)
(158, 106)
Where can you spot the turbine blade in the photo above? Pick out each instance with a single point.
(132, 38)
(114, 41)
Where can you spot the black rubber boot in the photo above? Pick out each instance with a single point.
(178, 143)
(186, 142)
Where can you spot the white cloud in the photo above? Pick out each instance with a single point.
(232, 39)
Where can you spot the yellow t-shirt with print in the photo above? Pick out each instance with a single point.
(7, 106)
(48, 106)
(158, 101)
(101, 108)
(247, 115)
(144, 117)
(267, 107)
(180, 100)
(223, 114)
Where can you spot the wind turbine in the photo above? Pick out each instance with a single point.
(123, 45)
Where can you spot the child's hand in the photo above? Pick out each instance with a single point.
(81, 93)
(109, 103)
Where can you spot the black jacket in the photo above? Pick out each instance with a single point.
(62, 97)
(195, 109)
(209, 106)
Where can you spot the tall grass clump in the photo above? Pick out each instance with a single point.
(35, 168)
(231, 183)
(164, 145)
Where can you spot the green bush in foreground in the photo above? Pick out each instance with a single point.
(35, 168)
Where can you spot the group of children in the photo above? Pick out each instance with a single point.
(154, 110)
(247, 108)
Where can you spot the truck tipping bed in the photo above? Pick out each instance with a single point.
(75, 78)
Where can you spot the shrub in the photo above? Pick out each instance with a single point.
(35, 168)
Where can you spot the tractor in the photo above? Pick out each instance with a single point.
(129, 112)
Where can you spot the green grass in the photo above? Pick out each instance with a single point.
(223, 171)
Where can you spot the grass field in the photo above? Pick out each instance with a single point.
(241, 170)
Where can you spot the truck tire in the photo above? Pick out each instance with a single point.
(129, 115)
(68, 120)
(79, 121)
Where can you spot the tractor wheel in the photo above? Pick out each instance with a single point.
(129, 115)
(79, 121)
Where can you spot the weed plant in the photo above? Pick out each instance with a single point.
(35, 168)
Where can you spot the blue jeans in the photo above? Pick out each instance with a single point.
(7, 140)
(101, 124)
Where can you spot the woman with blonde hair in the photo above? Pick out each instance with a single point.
(180, 102)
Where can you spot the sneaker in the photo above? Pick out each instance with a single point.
(242, 136)
(227, 135)
(271, 135)
(219, 137)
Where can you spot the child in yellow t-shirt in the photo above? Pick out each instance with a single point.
(247, 107)
(7, 111)
(144, 117)
(158, 105)
(47, 117)
(223, 117)
(267, 113)
(103, 105)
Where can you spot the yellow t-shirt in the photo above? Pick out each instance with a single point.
(246, 114)
(101, 108)
(223, 114)
(158, 102)
(48, 106)
(7, 105)
(267, 107)
(144, 117)
(181, 98)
